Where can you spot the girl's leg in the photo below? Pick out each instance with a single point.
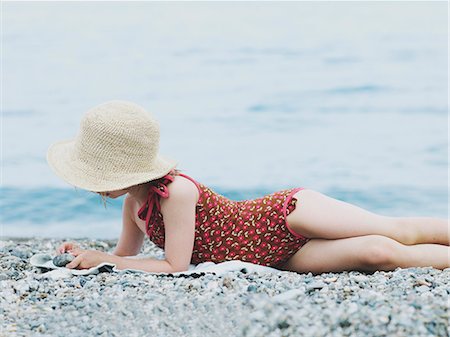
(319, 216)
(428, 230)
(364, 253)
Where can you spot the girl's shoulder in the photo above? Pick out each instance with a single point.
(182, 186)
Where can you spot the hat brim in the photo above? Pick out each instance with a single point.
(60, 159)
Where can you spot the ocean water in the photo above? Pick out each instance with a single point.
(350, 99)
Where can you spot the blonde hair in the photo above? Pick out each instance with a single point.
(104, 198)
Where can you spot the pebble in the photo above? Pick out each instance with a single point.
(63, 259)
(330, 279)
(252, 288)
(422, 282)
(404, 302)
(421, 289)
(315, 285)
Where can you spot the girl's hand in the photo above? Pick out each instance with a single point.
(66, 246)
(85, 259)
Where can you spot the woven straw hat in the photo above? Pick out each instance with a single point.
(117, 147)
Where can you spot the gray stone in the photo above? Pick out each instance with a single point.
(63, 259)
(314, 286)
(404, 302)
(252, 288)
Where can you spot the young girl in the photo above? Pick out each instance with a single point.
(298, 229)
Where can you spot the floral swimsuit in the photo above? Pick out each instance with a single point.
(254, 231)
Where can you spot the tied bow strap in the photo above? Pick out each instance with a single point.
(157, 188)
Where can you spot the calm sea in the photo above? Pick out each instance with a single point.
(346, 98)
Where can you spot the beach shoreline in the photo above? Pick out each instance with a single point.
(404, 302)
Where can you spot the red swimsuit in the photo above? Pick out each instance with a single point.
(249, 230)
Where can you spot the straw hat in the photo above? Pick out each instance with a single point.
(116, 147)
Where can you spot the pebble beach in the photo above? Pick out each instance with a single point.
(405, 302)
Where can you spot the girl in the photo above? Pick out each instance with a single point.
(116, 153)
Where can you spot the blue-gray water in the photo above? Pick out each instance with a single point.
(252, 97)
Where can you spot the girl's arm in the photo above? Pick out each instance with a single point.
(179, 221)
(131, 238)
(90, 258)
(146, 264)
(179, 212)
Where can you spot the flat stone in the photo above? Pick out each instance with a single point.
(63, 259)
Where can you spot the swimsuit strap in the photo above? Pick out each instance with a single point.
(159, 187)
(193, 180)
